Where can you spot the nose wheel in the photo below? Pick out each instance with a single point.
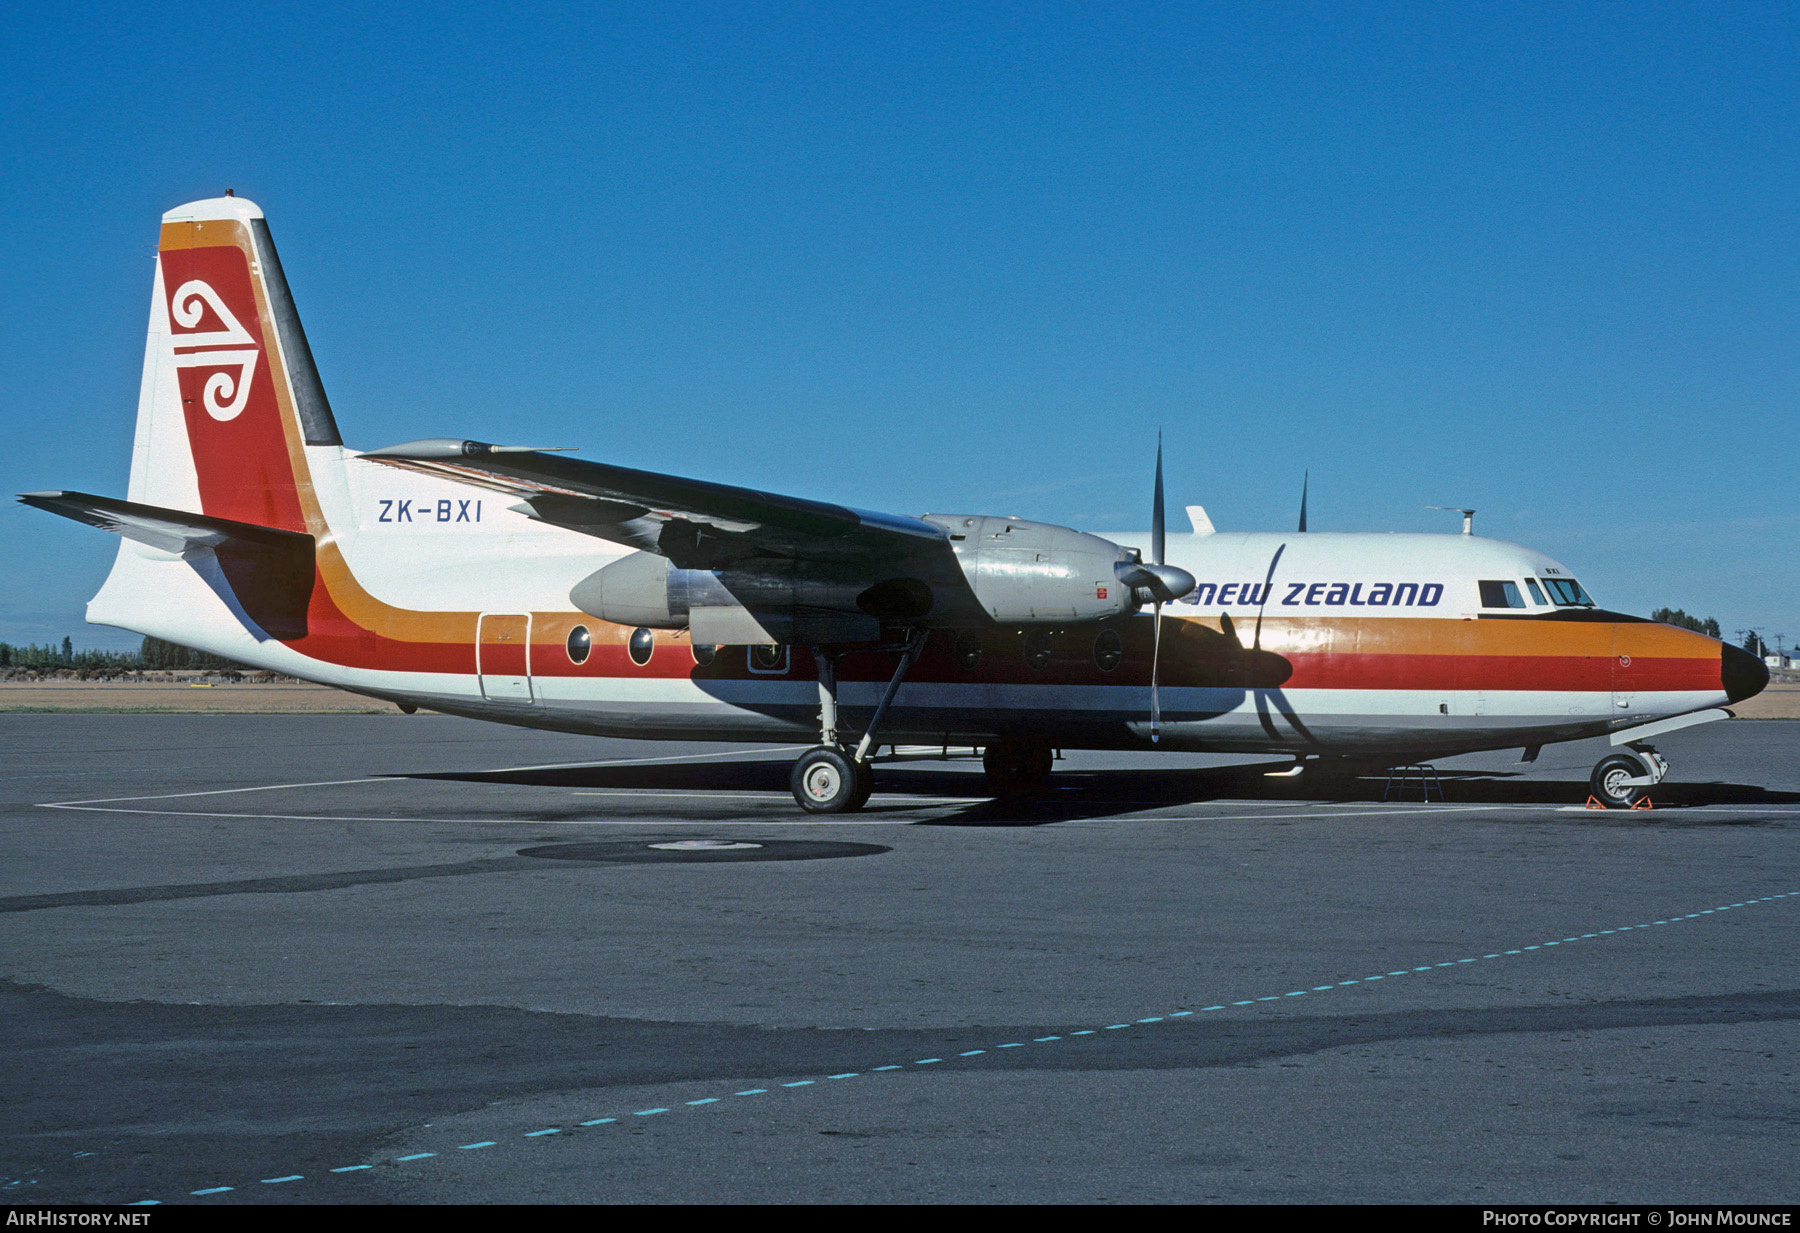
(1622, 780)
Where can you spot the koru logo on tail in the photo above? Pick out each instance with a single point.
(224, 396)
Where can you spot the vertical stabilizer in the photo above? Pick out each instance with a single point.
(230, 395)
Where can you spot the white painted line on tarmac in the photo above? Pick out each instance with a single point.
(1416, 810)
(729, 753)
(1719, 808)
(835, 820)
(772, 795)
(170, 796)
(401, 778)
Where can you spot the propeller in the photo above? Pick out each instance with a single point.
(1161, 582)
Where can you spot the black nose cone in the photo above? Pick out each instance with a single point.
(1742, 673)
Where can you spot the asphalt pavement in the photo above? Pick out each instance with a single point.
(335, 958)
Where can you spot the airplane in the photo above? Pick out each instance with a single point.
(516, 584)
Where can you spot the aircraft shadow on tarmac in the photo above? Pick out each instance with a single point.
(1077, 794)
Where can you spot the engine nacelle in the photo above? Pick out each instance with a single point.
(732, 607)
(1032, 573)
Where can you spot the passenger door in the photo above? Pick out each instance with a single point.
(503, 657)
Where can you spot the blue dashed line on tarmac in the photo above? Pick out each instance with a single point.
(927, 1061)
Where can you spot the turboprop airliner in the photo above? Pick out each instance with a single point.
(520, 585)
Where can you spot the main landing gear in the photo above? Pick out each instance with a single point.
(1017, 765)
(826, 779)
(1621, 780)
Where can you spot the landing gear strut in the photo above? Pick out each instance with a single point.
(826, 779)
(1621, 780)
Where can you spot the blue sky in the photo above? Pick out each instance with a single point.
(1539, 259)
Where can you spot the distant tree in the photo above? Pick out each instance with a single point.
(6, 653)
(1675, 616)
(1752, 642)
(68, 650)
(157, 653)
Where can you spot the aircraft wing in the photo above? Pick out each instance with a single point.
(696, 524)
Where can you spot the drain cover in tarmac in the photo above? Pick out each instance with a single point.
(701, 851)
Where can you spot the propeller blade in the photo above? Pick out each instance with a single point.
(1155, 701)
(1156, 509)
(1304, 481)
(1268, 585)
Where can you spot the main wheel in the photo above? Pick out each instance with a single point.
(865, 785)
(1608, 782)
(1017, 766)
(825, 781)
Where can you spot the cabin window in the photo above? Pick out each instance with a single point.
(1108, 650)
(1503, 594)
(579, 644)
(1037, 648)
(1537, 596)
(968, 650)
(1568, 593)
(764, 658)
(642, 644)
(703, 653)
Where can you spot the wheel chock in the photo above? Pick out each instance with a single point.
(1593, 803)
(1644, 804)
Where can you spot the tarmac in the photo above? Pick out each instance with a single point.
(318, 958)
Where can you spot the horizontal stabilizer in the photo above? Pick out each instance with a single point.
(270, 571)
(171, 530)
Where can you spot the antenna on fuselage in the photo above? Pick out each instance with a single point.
(1468, 516)
(1305, 479)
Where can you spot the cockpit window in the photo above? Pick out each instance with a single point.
(1568, 593)
(1537, 596)
(1501, 595)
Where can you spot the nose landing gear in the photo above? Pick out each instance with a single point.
(1621, 780)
